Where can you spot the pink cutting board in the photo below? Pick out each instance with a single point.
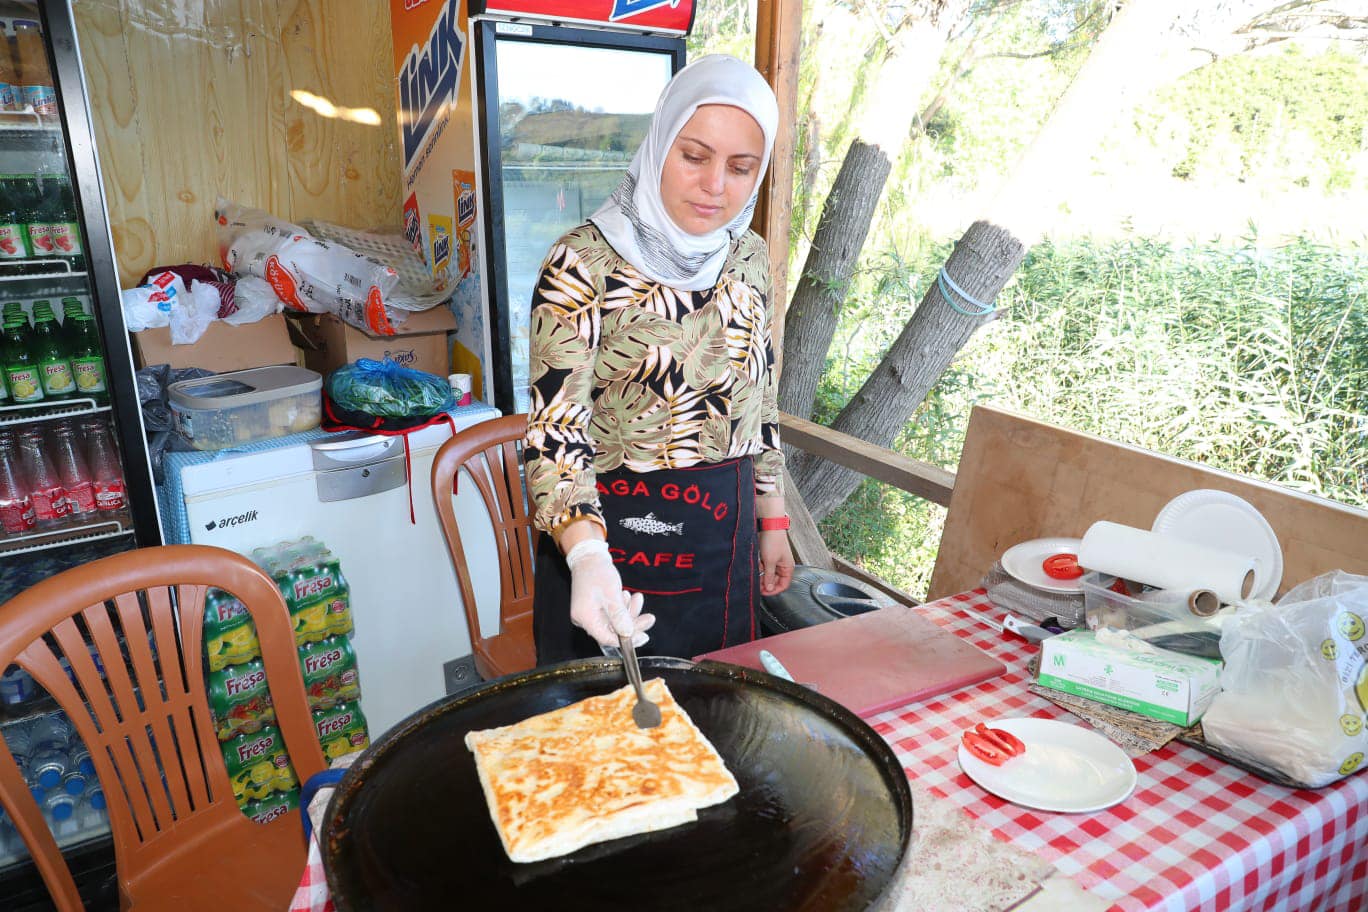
(874, 661)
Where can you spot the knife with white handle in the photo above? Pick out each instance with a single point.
(774, 666)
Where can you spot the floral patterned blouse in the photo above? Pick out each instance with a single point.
(629, 372)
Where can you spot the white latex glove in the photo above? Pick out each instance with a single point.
(598, 604)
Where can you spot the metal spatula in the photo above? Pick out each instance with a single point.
(645, 713)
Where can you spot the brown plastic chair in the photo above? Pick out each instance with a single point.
(489, 452)
(180, 842)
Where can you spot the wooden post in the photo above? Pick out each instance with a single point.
(778, 34)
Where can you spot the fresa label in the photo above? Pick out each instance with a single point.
(334, 725)
(316, 663)
(254, 749)
(319, 584)
(245, 683)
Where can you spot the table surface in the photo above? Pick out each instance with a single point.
(1197, 834)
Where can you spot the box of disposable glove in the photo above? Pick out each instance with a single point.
(1123, 671)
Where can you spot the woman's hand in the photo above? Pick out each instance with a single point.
(776, 562)
(598, 603)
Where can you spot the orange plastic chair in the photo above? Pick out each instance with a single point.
(489, 452)
(180, 841)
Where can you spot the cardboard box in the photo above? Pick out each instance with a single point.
(1162, 684)
(223, 347)
(420, 343)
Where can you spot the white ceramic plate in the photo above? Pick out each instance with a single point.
(1066, 768)
(1023, 562)
(1221, 520)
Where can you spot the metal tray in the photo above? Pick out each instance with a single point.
(822, 821)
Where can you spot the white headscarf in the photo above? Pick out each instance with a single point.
(634, 220)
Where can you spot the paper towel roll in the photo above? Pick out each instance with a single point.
(1167, 562)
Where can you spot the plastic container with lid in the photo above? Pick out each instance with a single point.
(242, 406)
(1160, 617)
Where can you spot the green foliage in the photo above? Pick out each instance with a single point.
(1289, 117)
(1249, 359)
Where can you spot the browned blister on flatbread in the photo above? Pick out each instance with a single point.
(585, 773)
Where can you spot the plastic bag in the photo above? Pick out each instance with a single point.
(254, 299)
(1294, 691)
(385, 389)
(192, 313)
(308, 274)
(149, 305)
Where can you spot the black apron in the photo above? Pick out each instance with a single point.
(686, 540)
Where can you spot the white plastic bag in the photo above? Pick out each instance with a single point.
(149, 306)
(308, 274)
(255, 301)
(192, 313)
(1294, 691)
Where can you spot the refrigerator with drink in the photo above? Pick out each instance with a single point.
(75, 483)
(561, 93)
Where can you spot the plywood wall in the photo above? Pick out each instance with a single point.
(192, 99)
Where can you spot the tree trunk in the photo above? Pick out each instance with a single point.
(810, 321)
(981, 263)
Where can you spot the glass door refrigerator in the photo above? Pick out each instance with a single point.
(75, 482)
(561, 109)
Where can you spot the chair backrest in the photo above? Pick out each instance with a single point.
(145, 719)
(490, 453)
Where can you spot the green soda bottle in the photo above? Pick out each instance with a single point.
(22, 373)
(63, 228)
(13, 236)
(87, 360)
(15, 311)
(53, 362)
(72, 310)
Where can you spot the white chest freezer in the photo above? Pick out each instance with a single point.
(349, 491)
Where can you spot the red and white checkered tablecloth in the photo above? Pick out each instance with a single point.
(1197, 834)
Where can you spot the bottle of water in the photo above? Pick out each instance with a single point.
(74, 781)
(51, 732)
(46, 768)
(91, 809)
(59, 806)
(19, 742)
(79, 759)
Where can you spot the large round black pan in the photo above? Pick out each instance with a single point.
(822, 820)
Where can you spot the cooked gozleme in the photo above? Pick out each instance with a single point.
(585, 773)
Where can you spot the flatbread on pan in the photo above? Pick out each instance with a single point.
(585, 773)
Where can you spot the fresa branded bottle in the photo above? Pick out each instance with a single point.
(50, 353)
(58, 210)
(13, 234)
(35, 75)
(87, 356)
(22, 373)
(28, 203)
(103, 460)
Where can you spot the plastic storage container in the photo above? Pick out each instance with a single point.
(242, 406)
(1160, 617)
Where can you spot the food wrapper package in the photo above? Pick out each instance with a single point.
(308, 274)
(1295, 686)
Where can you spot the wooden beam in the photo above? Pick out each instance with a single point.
(808, 546)
(927, 481)
(778, 34)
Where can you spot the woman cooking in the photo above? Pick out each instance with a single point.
(652, 445)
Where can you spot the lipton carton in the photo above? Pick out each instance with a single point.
(341, 730)
(258, 765)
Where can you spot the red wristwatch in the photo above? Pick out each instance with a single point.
(774, 523)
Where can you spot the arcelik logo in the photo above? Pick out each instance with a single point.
(428, 80)
(625, 9)
(226, 521)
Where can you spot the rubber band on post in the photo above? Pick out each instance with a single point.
(980, 309)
